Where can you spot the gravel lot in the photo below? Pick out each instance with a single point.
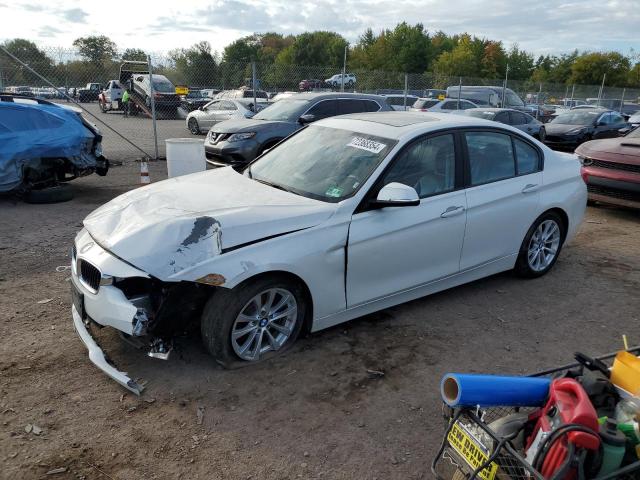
(313, 413)
(138, 130)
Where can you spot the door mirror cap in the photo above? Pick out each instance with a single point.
(396, 194)
(308, 118)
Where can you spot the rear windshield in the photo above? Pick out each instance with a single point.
(577, 117)
(163, 86)
(425, 103)
(486, 114)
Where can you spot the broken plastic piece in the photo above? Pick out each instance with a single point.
(214, 279)
(98, 359)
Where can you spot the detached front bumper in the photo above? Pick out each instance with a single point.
(98, 358)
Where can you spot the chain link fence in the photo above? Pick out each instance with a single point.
(63, 75)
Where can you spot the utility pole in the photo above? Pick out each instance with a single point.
(406, 83)
(344, 68)
(253, 86)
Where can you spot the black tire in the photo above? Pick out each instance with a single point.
(542, 134)
(103, 107)
(59, 193)
(522, 267)
(194, 128)
(223, 308)
(349, 84)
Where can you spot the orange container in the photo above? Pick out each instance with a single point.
(625, 372)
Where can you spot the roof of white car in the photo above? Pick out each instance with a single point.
(396, 124)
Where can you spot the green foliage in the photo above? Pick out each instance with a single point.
(95, 49)
(589, 69)
(29, 53)
(195, 65)
(134, 54)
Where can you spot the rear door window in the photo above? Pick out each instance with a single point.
(527, 156)
(502, 117)
(350, 106)
(324, 109)
(518, 118)
(490, 157)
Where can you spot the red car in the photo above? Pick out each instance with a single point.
(312, 84)
(611, 169)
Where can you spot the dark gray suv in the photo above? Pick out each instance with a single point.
(238, 142)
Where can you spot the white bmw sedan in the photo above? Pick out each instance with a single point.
(347, 216)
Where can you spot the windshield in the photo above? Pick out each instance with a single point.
(194, 94)
(323, 163)
(284, 110)
(163, 86)
(513, 100)
(577, 117)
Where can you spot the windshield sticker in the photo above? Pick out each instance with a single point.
(334, 192)
(366, 144)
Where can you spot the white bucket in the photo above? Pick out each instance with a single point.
(184, 156)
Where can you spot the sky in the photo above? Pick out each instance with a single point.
(538, 26)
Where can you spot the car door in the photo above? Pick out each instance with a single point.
(208, 117)
(227, 110)
(393, 249)
(504, 177)
(603, 126)
(617, 122)
(520, 121)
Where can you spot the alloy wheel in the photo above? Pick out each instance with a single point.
(543, 246)
(264, 324)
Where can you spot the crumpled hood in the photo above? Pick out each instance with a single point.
(236, 125)
(171, 226)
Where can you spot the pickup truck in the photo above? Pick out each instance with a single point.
(111, 97)
(89, 93)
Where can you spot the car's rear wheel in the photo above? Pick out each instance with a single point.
(541, 246)
(254, 321)
(194, 128)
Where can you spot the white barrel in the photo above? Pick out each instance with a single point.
(184, 156)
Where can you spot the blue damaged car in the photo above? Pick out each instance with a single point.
(43, 145)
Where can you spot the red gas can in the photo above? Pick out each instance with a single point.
(568, 404)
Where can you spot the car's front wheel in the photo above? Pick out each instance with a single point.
(542, 134)
(541, 246)
(256, 320)
(194, 128)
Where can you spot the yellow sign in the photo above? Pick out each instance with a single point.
(181, 90)
(470, 450)
(441, 97)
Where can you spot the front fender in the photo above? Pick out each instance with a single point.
(316, 255)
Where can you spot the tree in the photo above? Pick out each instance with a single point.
(411, 48)
(195, 65)
(494, 60)
(520, 63)
(95, 49)
(589, 68)
(28, 52)
(134, 54)
(460, 61)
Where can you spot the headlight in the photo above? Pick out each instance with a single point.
(236, 137)
(576, 131)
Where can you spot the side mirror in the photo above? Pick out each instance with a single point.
(396, 194)
(308, 118)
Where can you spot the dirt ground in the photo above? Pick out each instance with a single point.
(315, 412)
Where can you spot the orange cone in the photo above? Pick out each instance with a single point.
(144, 173)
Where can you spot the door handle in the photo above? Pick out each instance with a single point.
(452, 211)
(530, 187)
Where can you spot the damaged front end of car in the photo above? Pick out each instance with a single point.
(147, 312)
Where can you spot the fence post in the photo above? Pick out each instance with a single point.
(459, 93)
(344, 68)
(622, 99)
(504, 87)
(539, 101)
(153, 107)
(253, 86)
(604, 75)
(573, 89)
(406, 83)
